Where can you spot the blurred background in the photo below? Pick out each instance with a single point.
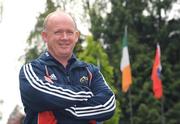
(102, 25)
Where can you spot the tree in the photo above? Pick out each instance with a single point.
(146, 27)
(35, 42)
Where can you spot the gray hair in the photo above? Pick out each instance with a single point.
(52, 13)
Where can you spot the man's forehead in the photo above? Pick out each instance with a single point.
(61, 16)
(58, 16)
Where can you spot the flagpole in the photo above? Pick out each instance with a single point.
(126, 72)
(130, 101)
(130, 104)
(162, 110)
(157, 82)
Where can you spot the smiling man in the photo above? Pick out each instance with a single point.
(57, 88)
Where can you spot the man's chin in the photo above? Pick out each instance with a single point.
(65, 53)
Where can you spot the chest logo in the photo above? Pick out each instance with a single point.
(84, 80)
(53, 77)
(49, 77)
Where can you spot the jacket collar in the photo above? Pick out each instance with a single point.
(49, 60)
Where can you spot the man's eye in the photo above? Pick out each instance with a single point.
(70, 32)
(58, 32)
(61, 33)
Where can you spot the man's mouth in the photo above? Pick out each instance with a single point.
(64, 45)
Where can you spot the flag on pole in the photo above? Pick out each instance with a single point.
(156, 72)
(125, 65)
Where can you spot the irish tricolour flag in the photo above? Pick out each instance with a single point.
(125, 65)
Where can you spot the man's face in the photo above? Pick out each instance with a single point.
(61, 35)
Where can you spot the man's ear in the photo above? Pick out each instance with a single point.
(44, 36)
(77, 35)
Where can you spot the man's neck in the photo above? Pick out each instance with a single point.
(63, 59)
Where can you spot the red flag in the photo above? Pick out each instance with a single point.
(156, 72)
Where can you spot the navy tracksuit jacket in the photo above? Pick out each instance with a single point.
(52, 94)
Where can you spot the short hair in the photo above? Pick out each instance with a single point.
(52, 13)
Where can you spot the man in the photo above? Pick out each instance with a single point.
(57, 88)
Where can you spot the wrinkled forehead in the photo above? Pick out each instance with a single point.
(59, 16)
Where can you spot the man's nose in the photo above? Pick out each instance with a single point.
(64, 35)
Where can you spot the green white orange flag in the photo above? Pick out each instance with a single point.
(125, 65)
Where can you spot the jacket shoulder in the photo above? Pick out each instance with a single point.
(34, 63)
(92, 68)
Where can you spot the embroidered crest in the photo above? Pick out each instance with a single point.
(84, 80)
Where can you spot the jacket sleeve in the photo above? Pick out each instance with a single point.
(40, 95)
(99, 107)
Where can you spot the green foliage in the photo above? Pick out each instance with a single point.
(94, 53)
(152, 115)
(144, 31)
(31, 54)
(173, 114)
